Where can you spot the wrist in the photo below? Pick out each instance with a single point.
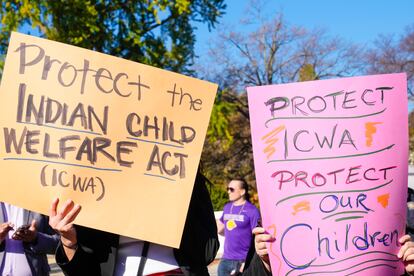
(70, 245)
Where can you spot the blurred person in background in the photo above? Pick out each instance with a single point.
(25, 239)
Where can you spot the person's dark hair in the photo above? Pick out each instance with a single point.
(244, 186)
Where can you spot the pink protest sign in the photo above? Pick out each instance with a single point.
(331, 168)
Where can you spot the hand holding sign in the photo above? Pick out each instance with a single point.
(261, 238)
(61, 220)
(4, 230)
(26, 233)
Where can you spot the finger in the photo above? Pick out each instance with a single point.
(4, 225)
(404, 248)
(409, 268)
(66, 208)
(9, 227)
(71, 216)
(261, 246)
(7, 224)
(17, 236)
(409, 258)
(263, 238)
(404, 239)
(33, 226)
(53, 207)
(258, 230)
(409, 253)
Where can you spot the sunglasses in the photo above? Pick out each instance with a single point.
(230, 189)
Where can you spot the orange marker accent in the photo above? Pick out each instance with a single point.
(383, 200)
(370, 129)
(273, 233)
(301, 206)
(271, 139)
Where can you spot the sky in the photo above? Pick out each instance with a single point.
(358, 21)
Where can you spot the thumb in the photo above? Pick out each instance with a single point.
(33, 225)
(9, 226)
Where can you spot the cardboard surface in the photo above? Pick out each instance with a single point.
(120, 138)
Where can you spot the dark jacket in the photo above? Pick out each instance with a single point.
(96, 254)
(46, 243)
(255, 267)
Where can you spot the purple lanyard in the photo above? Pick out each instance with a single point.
(3, 209)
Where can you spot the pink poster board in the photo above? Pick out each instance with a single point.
(331, 167)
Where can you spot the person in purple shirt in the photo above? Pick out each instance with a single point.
(237, 222)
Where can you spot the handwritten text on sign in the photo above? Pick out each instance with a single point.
(121, 138)
(331, 167)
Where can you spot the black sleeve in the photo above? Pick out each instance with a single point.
(47, 239)
(256, 268)
(250, 253)
(94, 249)
(199, 243)
(2, 246)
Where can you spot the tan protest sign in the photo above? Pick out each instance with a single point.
(120, 138)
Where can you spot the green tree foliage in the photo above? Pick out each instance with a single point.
(220, 120)
(227, 154)
(218, 197)
(307, 73)
(155, 32)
